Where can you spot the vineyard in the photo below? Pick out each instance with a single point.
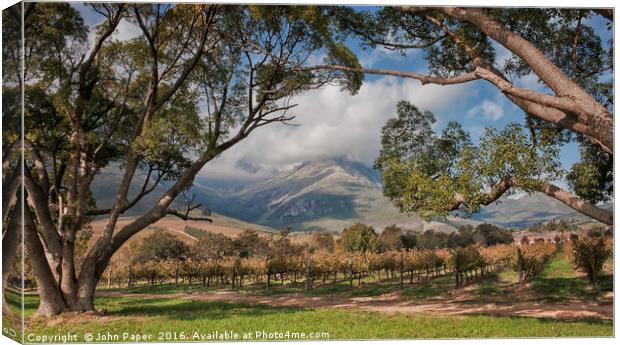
(465, 263)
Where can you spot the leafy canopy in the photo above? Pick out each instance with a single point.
(425, 172)
(359, 238)
(572, 39)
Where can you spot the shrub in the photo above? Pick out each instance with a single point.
(589, 255)
(359, 238)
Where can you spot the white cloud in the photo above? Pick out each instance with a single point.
(369, 58)
(126, 30)
(332, 123)
(530, 81)
(488, 110)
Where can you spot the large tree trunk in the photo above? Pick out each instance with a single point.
(581, 102)
(51, 298)
(10, 244)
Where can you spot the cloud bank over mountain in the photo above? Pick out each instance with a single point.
(330, 122)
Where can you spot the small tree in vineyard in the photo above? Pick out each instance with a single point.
(359, 238)
(589, 255)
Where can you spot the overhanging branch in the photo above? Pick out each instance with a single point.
(425, 79)
(578, 204)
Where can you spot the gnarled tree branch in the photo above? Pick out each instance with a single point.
(578, 204)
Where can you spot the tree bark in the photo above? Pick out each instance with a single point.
(585, 105)
(602, 215)
(51, 298)
(10, 243)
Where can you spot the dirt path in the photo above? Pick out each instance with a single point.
(394, 302)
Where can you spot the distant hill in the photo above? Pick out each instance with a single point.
(328, 194)
(105, 186)
(522, 210)
(323, 194)
(578, 219)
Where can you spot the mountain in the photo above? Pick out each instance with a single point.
(105, 186)
(581, 220)
(522, 210)
(330, 194)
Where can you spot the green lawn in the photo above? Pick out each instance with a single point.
(181, 318)
(161, 319)
(558, 282)
(162, 288)
(431, 288)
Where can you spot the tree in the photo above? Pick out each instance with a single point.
(248, 243)
(409, 239)
(391, 238)
(431, 239)
(494, 235)
(213, 246)
(562, 48)
(161, 245)
(12, 202)
(433, 174)
(463, 238)
(559, 47)
(359, 238)
(197, 81)
(322, 241)
(589, 255)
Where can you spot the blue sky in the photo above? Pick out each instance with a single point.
(333, 123)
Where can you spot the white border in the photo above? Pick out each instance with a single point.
(482, 3)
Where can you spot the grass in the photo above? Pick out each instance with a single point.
(162, 288)
(431, 288)
(558, 282)
(150, 317)
(167, 319)
(370, 287)
(496, 288)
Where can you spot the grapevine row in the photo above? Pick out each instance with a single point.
(466, 263)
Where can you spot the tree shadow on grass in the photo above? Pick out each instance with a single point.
(165, 288)
(429, 289)
(551, 320)
(14, 301)
(341, 288)
(495, 287)
(568, 289)
(195, 310)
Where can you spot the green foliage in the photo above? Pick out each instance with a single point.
(570, 38)
(359, 238)
(593, 177)
(161, 245)
(53, 32)
(424, 171)
(493, 235)
(322, 241)
(339, 54)
(431, 239)
(391, 238)
(589, 255)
